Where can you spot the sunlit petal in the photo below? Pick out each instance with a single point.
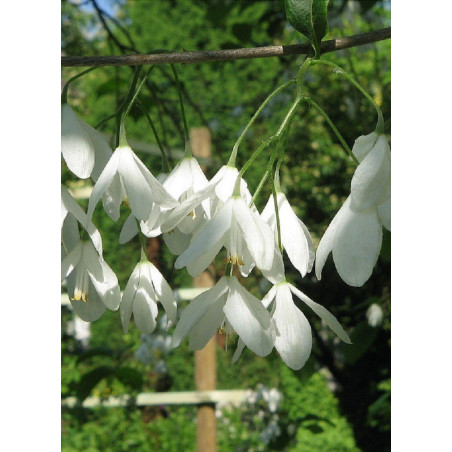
(324, 314)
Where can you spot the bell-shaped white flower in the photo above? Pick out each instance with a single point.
(355, 234)
(295, 237)
(92, 284)
(140, 186)
(230, 306)
(146, 286)
(293, 333)
(355, 238)
(241, 231)
(184, 180)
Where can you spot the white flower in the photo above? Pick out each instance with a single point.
(145, 287)
(140, 186)
(184, 180)
(82, 146)
(232, 307)
(355, 234)
(295, 237)
(355, 238)
(91, 283)
(247, 238)
(293, 332)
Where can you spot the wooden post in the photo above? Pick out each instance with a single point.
(205, 359)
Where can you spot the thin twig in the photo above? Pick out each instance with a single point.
(224, 55)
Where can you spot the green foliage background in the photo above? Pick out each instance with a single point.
(340, 400)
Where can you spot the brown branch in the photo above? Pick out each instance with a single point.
(224, 55)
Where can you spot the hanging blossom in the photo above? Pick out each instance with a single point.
(295, 237)
(140, 187)
(86, 152)
(231, 307)
(293, 333)
(187, 184)
(355, 235)
(146, 287)
(241, 231)
(92, 284)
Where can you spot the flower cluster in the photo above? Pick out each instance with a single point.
(197, 219)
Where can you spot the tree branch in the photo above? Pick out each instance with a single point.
(224, 55)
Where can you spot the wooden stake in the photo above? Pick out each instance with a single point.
(205, 359)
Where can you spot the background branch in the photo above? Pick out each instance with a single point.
(224, 55)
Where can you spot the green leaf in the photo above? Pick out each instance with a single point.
(309, 18)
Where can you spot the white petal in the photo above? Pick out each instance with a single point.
(372, 176)
(113, 197)
(207, 326)
(71, 261)
(102, 276)
(266, 301)
(89, 310)
(103, 182)
(164, 293)
(198, 265)
(277, 272)
(102, 150)
(197, 308)
(76, 145)
(238, 351)
(248, 264)
(208, 240)
(256, 233)
(138, 191)
(176, 241)
(71, 205)
(357, 245)
(268, 214)
(180, 179)
(128, 296)
(327, 241)
(129, 230)
(249, 318)
(187, 206)
(310, 245)
(384, 213)
(145, 310)
(70, 234)
(151, 227)
(225, 178)
(159, 195)
(324, 314)
(363, 145)
(199, 179)
(294, 337)
(293, 236)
